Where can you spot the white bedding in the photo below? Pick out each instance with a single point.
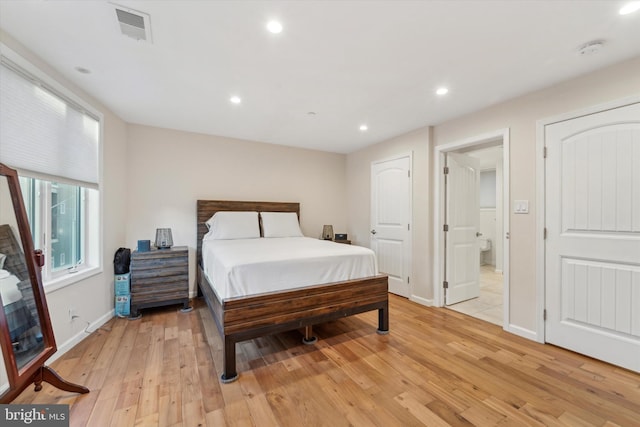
(8, 289)
(253, 266)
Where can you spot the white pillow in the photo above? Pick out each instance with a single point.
(280, 224)
(233, 225)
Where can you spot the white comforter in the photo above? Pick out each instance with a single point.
(8, 289)
(253, 266)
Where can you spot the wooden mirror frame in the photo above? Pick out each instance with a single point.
(33, 371)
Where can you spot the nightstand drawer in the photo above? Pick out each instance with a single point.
(159, 277)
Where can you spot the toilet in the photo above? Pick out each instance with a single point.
(485, 246)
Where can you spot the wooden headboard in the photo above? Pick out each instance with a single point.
(206, 209)
(15, 262)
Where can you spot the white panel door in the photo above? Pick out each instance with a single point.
(592, 250)
(390, 221)
(462, 263)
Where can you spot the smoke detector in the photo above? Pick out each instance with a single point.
(133, 23)
(591, 48)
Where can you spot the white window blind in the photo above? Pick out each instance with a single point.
(43, 131)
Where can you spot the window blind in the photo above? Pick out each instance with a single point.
(44, 132)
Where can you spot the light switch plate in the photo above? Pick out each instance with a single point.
(521, 206)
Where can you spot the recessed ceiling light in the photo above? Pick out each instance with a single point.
(630, 7)
(274, 27)
(83, 70)
(311, 113)
(364, 128)
(442, 91)
(235, 99)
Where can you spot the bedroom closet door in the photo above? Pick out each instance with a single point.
(390, 221)
(592, 250)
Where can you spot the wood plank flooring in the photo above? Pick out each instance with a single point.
(436, 368)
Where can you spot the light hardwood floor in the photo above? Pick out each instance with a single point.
(437, 367)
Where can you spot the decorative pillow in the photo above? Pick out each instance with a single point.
(280, 224)
(233, 225)
(3, 258)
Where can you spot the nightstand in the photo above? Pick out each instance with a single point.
(346, 242)
(159, 277)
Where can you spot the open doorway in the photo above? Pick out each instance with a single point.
(488, 304)
(478, 262)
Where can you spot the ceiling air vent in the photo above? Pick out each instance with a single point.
(133, 23)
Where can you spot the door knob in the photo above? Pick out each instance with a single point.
(478, 234)
(373, 231)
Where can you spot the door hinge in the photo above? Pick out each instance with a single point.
(408, 280)
(445, 227)
(446, 170)
(544, 152)
(544, 234)
(445, 284)
(408, 174)
(408, 227)
(544, 314)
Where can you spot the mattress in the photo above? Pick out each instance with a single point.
(8, 289)
(18, 316)
(244, 267)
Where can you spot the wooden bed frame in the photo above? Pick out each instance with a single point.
(243, 318)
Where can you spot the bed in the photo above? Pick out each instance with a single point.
(244, 317)
(20, 311)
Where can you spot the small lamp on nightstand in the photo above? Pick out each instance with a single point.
(164, 239)
(327, 232)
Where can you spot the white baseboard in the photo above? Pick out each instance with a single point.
(522, 332)
(420, 300)
(71, 342)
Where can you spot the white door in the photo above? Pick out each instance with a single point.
(592, 250)
(462, 261)
(391, 221)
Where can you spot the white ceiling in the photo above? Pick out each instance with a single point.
(350, 62)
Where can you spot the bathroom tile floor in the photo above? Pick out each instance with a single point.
(488, 306)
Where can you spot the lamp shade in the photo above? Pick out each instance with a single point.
(164, 239)
(327, 232)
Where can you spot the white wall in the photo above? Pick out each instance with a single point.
(7, 214)
(359, 201)
(520, 116)
(93, 297)
(170, 170)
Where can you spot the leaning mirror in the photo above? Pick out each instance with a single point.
(26, 333)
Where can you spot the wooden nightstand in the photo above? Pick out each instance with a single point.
(346, 242)
(159, 277)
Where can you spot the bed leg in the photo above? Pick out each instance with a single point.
(229, 361)
(383, 320)
(308, 338)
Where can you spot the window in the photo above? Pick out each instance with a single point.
(59, 215)
(52, 138)
(488, 189)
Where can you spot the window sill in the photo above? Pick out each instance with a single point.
(69, 279)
